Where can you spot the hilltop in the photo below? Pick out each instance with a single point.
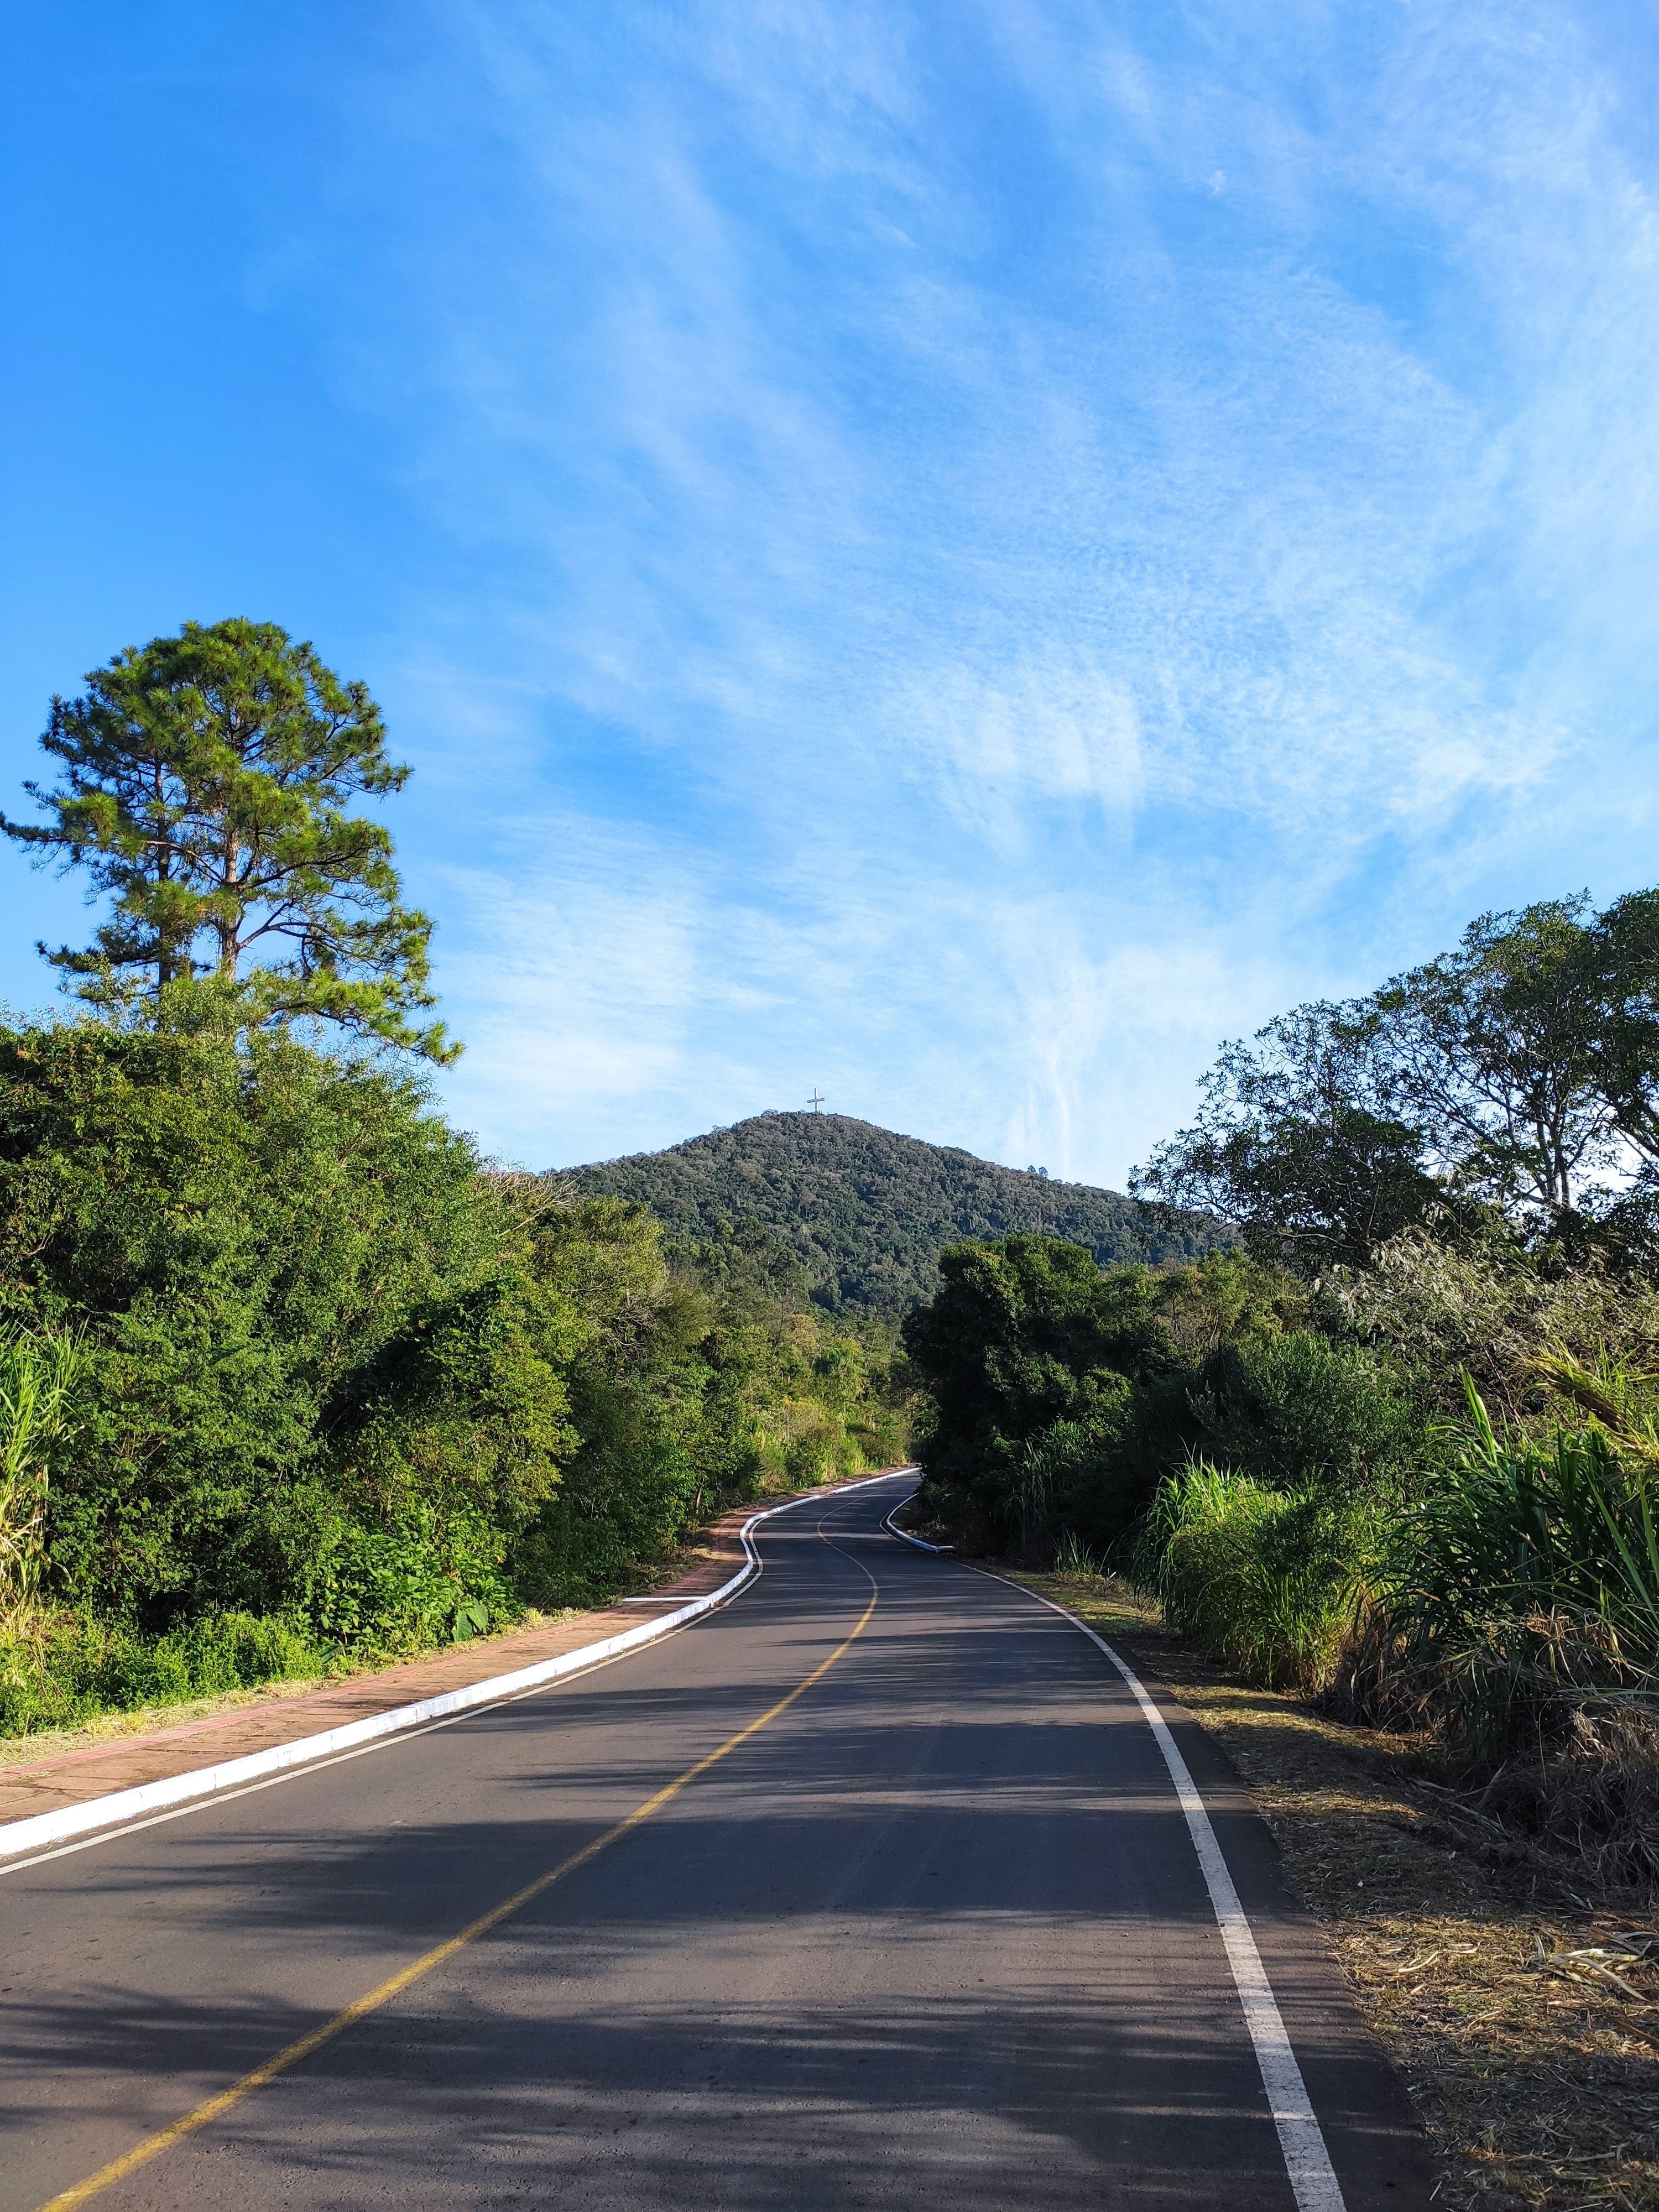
(859, 1215)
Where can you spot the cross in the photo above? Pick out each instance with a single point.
(816, 1102)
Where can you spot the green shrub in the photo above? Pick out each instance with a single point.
(1268, 1579)
(1061, 1397)
(394, 1586)
(1522, 1580)
(1299, 1410)
(70, 1667)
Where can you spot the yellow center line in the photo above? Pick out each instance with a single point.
(360, 2008)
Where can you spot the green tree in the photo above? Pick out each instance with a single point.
(1300, 1143)
(205, 786)
(1492, 1051)
(1625, 1054)
(1022, 1334)
(271, 1258)
(1518, 1073)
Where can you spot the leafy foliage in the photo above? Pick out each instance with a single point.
(235, 1233)
(859, 1215)
(1519, 1074)
(1299, 1144)
(337, 1379)
(1023, 1334)
(205, 784)
(1060, 1396)
(691, 1392)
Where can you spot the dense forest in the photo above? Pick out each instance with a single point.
(290, 1375)
(1400, 1448)
(856, 1216)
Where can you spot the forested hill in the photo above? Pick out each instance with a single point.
(863, 1213)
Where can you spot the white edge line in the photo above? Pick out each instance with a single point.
(123, 1805)
(1307, 2157)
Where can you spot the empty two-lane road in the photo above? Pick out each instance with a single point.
(933, 1934)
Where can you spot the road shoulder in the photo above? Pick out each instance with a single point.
(1533, 2077)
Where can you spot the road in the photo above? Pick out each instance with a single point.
(934, 1933)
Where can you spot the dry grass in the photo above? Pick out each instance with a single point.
(1525, 2019)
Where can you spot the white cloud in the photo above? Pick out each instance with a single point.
(1075, 602)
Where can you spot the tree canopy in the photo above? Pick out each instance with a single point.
(205, 788)
(1517, 1075)
(1022, 1333)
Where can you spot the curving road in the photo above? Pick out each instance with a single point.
(934, 1933)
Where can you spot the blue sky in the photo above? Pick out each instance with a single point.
(955, 554)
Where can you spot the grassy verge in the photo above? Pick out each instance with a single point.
(1525, 2021)
(32, 1734)
(323, 1671)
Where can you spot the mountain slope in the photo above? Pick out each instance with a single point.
(863, 1212)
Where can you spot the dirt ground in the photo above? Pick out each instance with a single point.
(1524, 2017)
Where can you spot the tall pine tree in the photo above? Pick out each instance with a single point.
(205, 786)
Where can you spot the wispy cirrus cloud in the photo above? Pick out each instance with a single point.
(1011, 542)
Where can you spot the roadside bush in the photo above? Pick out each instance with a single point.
(687, 1397)
(1521, 1584)
(1298, 1410)
(1060, 1398)
(70, 1667)
(394, 1586)
(1270, 1580)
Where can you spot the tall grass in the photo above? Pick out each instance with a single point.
(1507, 1606)
(70, 1667)
(39, 1373)
(1518, 1567)
(1514, 1525)
(1522, 1584)
(1269, 1579)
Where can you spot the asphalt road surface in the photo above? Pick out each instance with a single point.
(936, 1934)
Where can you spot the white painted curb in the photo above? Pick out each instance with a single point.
(121, 1805)
(903, 1535)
